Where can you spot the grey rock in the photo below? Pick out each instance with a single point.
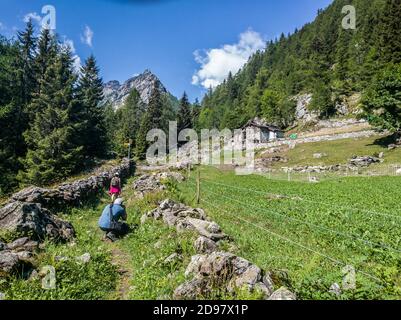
(364, 161)
(2, 296)
(335, 289)
(191, 290)
(205, 228)
(33, 220)
(85, 258)
(282, 294)
(173, 259)
(205, 245)
(14, 263)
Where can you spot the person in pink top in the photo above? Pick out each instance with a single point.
(115, 187)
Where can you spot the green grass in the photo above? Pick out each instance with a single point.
(338, 152)
(338, 219)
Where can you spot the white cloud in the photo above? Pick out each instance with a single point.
(87, 37)
(217, 63)
(2, 27)
(32, 16)
(77, 60)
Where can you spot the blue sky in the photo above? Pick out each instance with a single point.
(188, 44)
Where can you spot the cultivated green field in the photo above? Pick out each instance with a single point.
(312, 232)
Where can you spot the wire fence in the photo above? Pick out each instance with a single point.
(317, 174)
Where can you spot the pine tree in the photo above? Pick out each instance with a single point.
(390, 32)
(184, 117)
(90, 94)
(127, 122)
(9, 111)
(25, 62)
(45, 57)
(152, 119)
(382, 102)
(52, 153)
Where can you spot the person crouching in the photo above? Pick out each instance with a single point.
(110, 223)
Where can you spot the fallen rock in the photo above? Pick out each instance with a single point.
(210, 230)
(23, 244)
(205, 245)
(33, 221)
(225, 271)
(282, 294)
(335, 289)
(85, 258)
(173, 259)
(14, 263)
(191, 290)
(364, 161)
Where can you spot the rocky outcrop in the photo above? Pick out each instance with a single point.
(145, 83)
(34, 221)
(154, 182)
(74, 193)
(302, 112)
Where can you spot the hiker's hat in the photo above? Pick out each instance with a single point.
(119, 201)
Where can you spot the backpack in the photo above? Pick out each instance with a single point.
(115, 182)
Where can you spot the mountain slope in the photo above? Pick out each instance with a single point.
(116, 93)
(321, 59)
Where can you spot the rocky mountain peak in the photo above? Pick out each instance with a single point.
(116, 93)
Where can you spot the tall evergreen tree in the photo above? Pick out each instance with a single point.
(52, 154)
(90, 94)
(127, 122)
(152, 119)
(390, 32)
(25, 62)
(184, 116)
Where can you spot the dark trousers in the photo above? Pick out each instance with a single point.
(120, 229)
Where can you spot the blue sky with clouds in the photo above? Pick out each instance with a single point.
(189, 44)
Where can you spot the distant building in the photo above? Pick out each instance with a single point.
(263, 131)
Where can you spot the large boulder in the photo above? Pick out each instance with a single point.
(224, 271)
(34, 221)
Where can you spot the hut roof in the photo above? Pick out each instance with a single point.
(262, 124)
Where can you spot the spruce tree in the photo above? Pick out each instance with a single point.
(52, 153)
(127, 122)
(382, 102)
(90, 94)
(152, 119)
(184, 117)
(25, 62)
(390, 32)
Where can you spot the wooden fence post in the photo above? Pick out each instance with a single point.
(198, 188)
